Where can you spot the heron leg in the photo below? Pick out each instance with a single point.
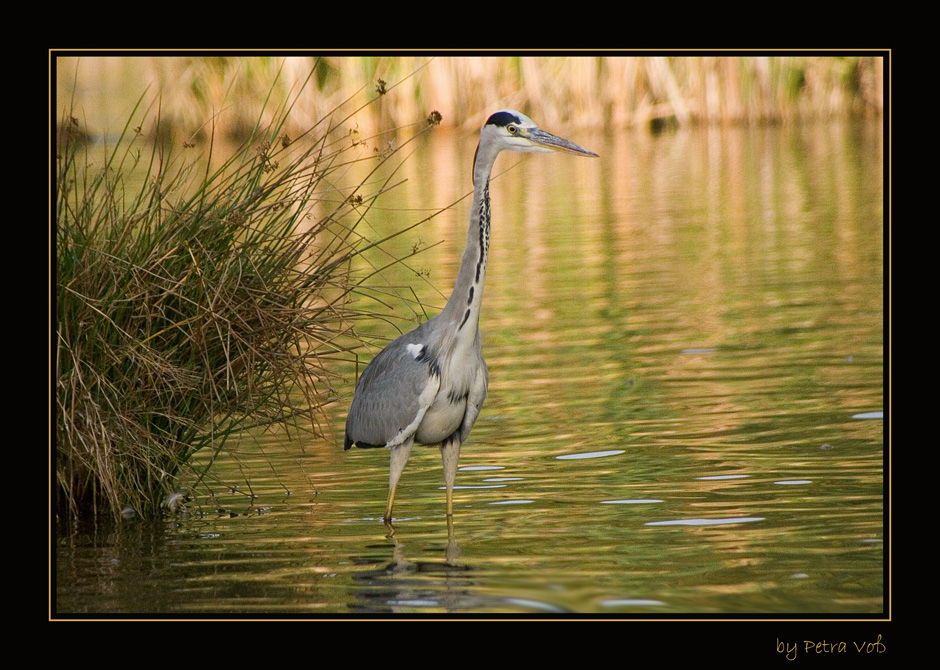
(399, 457)
(450, 452)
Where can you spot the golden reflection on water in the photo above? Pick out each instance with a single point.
(701, 311)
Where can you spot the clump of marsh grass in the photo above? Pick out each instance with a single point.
(194, 301)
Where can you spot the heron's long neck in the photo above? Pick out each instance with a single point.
(463, 307)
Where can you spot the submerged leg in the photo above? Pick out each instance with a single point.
(399, 457)
(450, 452)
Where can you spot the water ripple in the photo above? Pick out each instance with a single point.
(590, 454)
(705, 522)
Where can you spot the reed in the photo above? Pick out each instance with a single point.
(613, 90)
(198, 298)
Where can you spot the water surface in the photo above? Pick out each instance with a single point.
(685, 414)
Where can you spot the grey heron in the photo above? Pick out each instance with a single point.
(427, 386)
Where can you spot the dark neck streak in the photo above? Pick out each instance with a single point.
(463, 307)
(484, 241)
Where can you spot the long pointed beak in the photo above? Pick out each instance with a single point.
(555, 143)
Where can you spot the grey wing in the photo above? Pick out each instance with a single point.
(391, 398)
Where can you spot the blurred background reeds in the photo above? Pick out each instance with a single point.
(588, 91)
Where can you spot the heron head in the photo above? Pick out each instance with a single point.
(514, 131)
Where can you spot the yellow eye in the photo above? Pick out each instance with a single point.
(511, 129)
